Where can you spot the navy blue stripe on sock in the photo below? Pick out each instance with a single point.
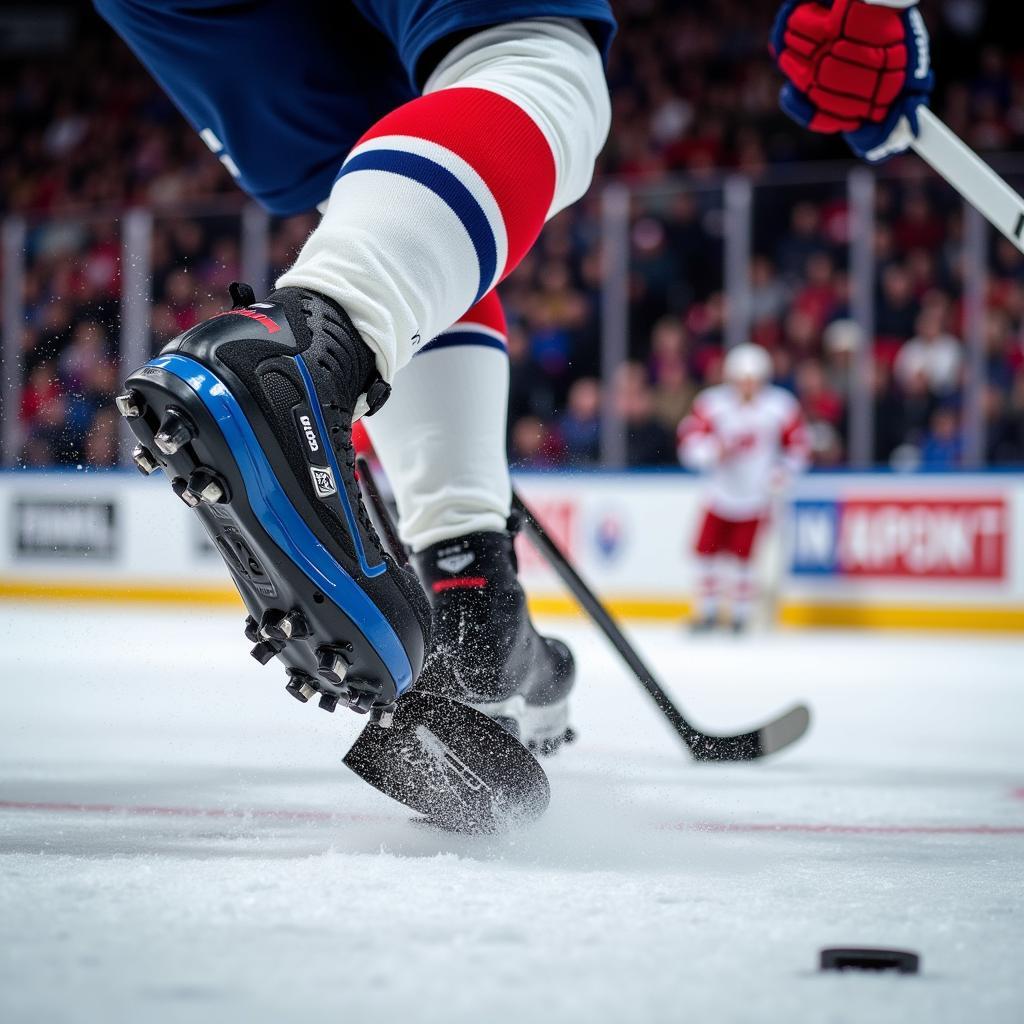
(458, 338)
(447, 187)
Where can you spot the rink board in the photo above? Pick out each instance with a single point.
(942, 551)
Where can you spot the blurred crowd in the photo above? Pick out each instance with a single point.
(85, 133)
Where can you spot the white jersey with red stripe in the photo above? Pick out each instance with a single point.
(743, 446)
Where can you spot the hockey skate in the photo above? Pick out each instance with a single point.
(485, 650)
(250, 415)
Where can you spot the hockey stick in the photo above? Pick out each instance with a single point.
(768, 739)
(970, 176)
(379, 512)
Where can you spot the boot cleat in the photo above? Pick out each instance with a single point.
(144, 460)
(252, 630)
(300, 685)
(207, 486)
(175, 432)
(332, 664)
(361, 701)
(328, 701)
(266, 650)
(180, 488)
(276, 625)
(129, 405)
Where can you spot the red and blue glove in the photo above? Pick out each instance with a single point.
(859, 67)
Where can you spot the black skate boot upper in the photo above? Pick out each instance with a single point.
(293, 369)
(485, 649)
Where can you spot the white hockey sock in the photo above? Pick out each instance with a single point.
(743, 590)
(452, 399)
(445, 195)
(708, 587)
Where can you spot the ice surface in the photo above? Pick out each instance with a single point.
(178, 841)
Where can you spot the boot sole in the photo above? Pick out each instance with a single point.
(304, 608)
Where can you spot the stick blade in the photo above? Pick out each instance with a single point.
(453, 764)
(785, 730)
(770, 738)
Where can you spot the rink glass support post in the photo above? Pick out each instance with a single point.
(739, 206)
(256, 248)
(136, 302)
(615, 224)
(860, 393)
(12, 296)
(976, 236)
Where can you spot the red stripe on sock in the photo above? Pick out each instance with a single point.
(499, 140)
(488, 312)
(460, 583)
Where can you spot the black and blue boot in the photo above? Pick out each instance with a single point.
(249, 414)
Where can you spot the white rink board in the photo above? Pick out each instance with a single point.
(933, 541)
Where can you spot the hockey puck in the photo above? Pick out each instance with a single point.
(866, 959)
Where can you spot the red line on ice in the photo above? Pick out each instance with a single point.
(255, 813)
(849, 830)
(277, 814)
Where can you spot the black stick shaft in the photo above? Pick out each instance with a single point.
(385, 524)
(597, 611)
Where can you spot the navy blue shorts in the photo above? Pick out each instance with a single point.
(282, 89)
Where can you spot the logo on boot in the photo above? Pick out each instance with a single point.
(309, 433)
(323, 481)
(454, 560)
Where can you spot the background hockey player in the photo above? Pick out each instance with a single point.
(437, 139)
(748, 437)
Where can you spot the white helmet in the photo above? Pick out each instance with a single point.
(747, 361)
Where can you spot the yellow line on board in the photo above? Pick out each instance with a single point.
(993, 619)
(652, 609)
(119, 592)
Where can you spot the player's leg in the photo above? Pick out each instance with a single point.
(452, 484)
(250, 414)
(710, 570)
(430, 191)
(442, 198)
(453, 494)
(743, 587)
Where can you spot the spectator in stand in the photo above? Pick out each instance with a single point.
(534, 446)
(769, 295)
(932, 352)
(673, 386)
(801, 242)
(580, 425)
(918, 406)
(102, 443)
(818, 297)
(1004, 427)
(943, 443)
(673, 393)
(823, 413)
(897, 308)
(919, 225)
(648, 443)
